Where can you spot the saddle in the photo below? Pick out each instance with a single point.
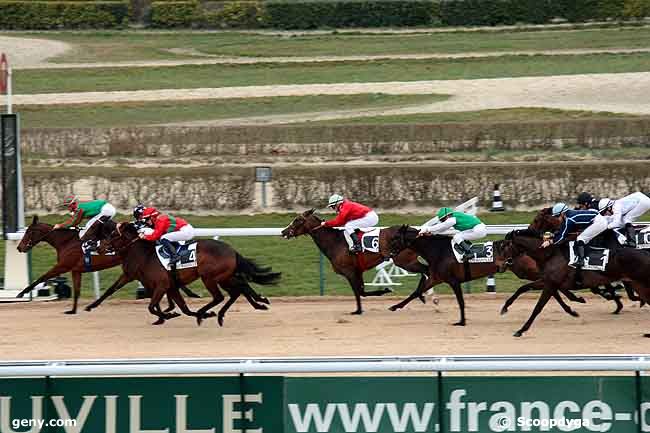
(186, 252)
(596, 258)
(481, 253)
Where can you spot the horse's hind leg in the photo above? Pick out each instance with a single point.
(419, 291)
(222, 312)
(564, 305)
(121, 282)
(170, 306)
(217, 297)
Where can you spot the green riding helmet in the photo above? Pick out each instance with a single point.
(443, 212)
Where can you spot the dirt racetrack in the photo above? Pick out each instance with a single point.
(320, 327)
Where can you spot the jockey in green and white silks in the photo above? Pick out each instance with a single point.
(469, 228)
(79, 210)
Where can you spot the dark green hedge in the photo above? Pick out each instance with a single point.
(388, 13)
(175, 14)
(62, 15)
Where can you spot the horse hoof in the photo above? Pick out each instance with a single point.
(264, 300)
(220, 320)
(422, 299)
(460, 323)
(518, 334)
(70, 312)
(574, 313)
(261, 307)
(159, 322)
(581, 300)
(88, 308)
(199, 320)
(646, 335)
(357, 312)
(393, 308)
(20, 295)
(504, 310)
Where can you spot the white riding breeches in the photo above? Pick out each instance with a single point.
(185, 233)
(637, 211)
(598, 226)
(477, 232)
(107, 211)
(370, 219)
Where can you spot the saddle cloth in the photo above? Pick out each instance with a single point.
(642, 237)
(596, 259)
(370, 240)
(187, 252)
(481, 253)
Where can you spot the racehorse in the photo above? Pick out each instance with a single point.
(218, 265)
(69, 256)
(444, 267)
(334, 246)
(544, 221)
(100, 231)
(625, 264)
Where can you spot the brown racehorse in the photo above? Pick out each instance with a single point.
(625, 264)
(445, 268)
(334, 246)
(544, 221)
(100, 231)
(69, 257)
(218, 265)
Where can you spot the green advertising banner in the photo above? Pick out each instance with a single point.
(256, 404)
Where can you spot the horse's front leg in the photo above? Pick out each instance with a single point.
(55, 271)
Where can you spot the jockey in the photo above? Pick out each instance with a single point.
(352, 217)
(94, 210)
(166, 229)
(589, 220)
(586, 201)
(470, 228)
(625, 211)
(137, 215)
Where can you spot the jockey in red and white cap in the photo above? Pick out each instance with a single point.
(166, 229)
(351, 216)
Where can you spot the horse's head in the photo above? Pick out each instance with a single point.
(123, 235)
(35, 233)
(302, 224)
(401, 240)
(544, 221)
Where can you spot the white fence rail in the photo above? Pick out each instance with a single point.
(159, 367)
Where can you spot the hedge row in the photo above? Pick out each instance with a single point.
(390, 13)
(62, 15)
(286, 14)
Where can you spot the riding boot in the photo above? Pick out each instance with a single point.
(356, 242)
(579, 250)
(169, 247)
(465, 248)
(630, 233)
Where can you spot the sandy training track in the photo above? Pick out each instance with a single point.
(320, 327)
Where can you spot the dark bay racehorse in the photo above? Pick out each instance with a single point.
(444, 268)
(218, 265)
(100, 231)
(625, 264)
(69, 257)
(333, 245)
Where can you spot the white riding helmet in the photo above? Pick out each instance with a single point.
(604, 204)
(559, 209)
(334, 200)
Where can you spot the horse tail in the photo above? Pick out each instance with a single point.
(251, 271)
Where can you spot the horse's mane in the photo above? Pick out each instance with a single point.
(523, 232)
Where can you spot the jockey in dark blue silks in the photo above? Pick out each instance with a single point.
(588, 221)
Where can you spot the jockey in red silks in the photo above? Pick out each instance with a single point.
(166, 229)
(352, 217)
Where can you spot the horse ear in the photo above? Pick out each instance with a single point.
(35, 219)
(310, 211)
